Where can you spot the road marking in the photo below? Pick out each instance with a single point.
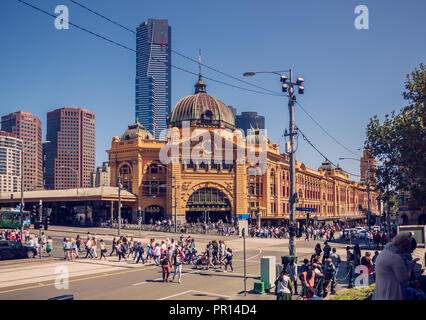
(175, 295)
(76, 280)
(202, 292)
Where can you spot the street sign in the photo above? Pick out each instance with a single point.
(306, 209)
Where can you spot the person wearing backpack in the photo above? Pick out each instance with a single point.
(228, 258)
(139, 253)
(177, 261)
(283, 286)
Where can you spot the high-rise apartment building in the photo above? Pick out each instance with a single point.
(153, 75)
(10, 162)
(28, 128)
(102, 176)
(70, 151)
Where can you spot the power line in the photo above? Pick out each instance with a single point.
(176, 52)
(325, 157)
(102, 16)
(130, 49)
(325, 131)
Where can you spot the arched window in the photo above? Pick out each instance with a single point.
(125, 173)
(154, 180)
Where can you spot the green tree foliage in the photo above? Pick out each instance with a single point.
(399, 143)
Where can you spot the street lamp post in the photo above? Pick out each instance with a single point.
(288, 86)
(119, 205)
(40, 219)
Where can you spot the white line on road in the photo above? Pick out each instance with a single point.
(175, 295)
(202, 292)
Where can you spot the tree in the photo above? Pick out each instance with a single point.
(399, 144)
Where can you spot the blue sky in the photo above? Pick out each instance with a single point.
(349, 74)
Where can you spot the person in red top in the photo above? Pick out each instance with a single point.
(309, 280)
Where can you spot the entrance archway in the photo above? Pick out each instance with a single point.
(208, 205)
(153, 212)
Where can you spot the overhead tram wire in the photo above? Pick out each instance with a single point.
(132, 50)
(325, 157)
(176, 52)
(324, 130)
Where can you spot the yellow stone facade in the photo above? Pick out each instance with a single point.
(229, 189)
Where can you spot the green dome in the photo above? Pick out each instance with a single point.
(202, 109)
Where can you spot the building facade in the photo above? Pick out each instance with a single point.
(10, 162)
(153, 75)
(28, 128)
(70, 151)
(368, 167)
(101, 177)
(223, 189)
(249, 120)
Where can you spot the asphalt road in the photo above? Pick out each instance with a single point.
(145, 281)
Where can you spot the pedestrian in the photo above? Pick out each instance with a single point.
(88, 247)
(139, 253)
(114, 246)
(326, 250)
(209, 252)
(78, 244)
(318, 250)
(94, 247)
(103, 250)
(165, 264)
(391, 270)
(177, 262)
(308, 277)
(335, 259)
(222, 253)
(49, 246)
(329, 277)
(157, 254)
(283, 286)
(292, 273)
(67, 249)
(228, 258)
(73, 248)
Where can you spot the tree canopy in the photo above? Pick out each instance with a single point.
(399, 143)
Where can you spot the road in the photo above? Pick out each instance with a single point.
(91, 279)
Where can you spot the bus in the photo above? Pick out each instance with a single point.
(11, 218)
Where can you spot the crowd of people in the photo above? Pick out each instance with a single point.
(318, 275)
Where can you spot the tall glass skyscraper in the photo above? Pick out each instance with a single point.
(153, 75)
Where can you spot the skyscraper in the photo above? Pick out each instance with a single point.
(70, 152)
(25, 126)
(249, 120)
(153, 75)
(10, 162)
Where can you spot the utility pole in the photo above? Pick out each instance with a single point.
(40, 217)
(245, 274)
(292, 248)
(119, 205)
(22, 193)
(289, 87)
(175, 187)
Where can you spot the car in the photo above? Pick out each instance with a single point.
(15, 250)
(362, 234)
